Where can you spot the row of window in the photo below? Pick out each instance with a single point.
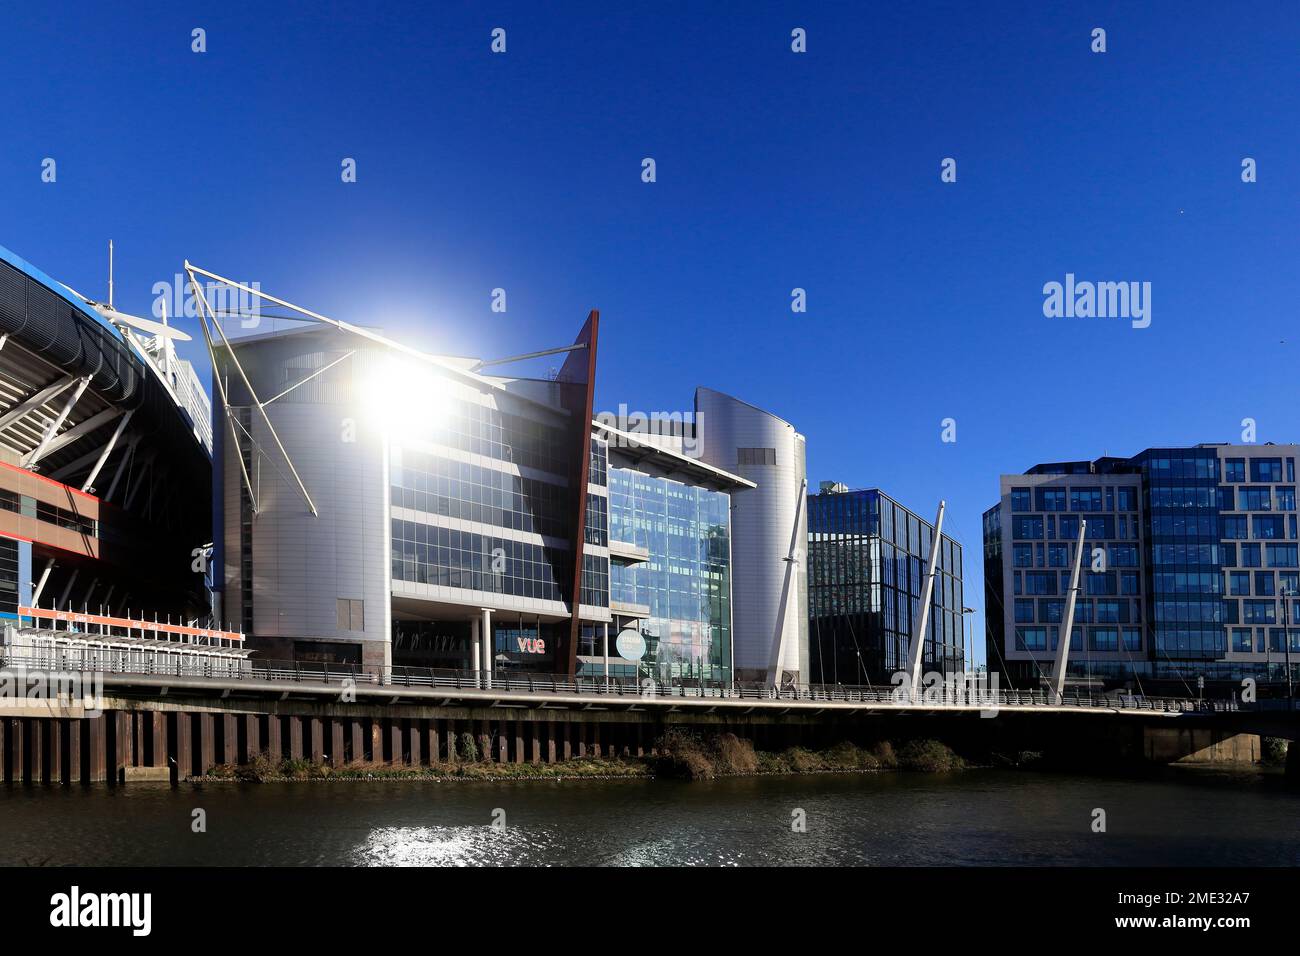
(457, 489)
(29, 507)
(1099, 638)
(1260, 640)
(1078, 499)
(1052, 611)
(424, 554)
(1058, 555)
(1261, 469)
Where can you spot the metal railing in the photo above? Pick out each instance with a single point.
(515, 682)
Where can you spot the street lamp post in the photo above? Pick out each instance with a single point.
(1286, 641)
(967, 638)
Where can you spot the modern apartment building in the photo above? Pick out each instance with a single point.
(867, 557)
(1190, 567)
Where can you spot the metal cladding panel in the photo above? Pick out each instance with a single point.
(769, 524)
(302, 564)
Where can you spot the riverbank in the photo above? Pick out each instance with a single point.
(676, 756)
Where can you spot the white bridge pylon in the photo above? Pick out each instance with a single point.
(1067, 627)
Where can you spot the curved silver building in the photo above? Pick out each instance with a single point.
(769, 531)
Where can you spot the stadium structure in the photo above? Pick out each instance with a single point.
(105, 461)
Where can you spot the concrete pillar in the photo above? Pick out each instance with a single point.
(581, 728)
(229, 739)
(274, 745)
(566, 738)
(503, 742)
(36, 750)
(453, 741)
(139, 753)
(16, 758)
(595, 740)
(489, 647)
(121, 741)
(252, 738)
(358, 736)
(317, 730)
(207, 743)
(98, 748)
(414, 737)
(431, 742)
(395, 741)
(295, 737)
(58, 773)
(534, 741)
(77, 771)
(157, 754)
(484, 740)
(338, 755)
(376, 741)
(184, 746)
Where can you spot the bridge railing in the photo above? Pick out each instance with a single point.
(344, 675)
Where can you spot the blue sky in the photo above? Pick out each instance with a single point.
(775, 170)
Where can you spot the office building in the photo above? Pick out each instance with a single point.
(384, 506)
(1189, 568)
(867, 559)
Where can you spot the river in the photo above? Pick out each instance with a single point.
(979, 817)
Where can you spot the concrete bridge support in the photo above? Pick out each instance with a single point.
(176, 738)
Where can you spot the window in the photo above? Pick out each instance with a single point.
(1103, 583)
(1103, 639)
(1268, 526)
(1050, 499)
(1278, 555)
(1266, 469)
(351, 617)
(1264, 583)
(1022, 555)
(755, 456)
(1024, 610)
(1020, 499)
(1255, 499)
(1123, 555)
(1241, 640)
(1239, 583)
(1022, 528)
(1040, 582)
(1259, 612)
(1058, 556)
(1286, 498)
(1250, 556)
(1128, 583)
(1127, 499)
(1031, 638)
(1085, 499)
(1234, 469)
(1132, 638)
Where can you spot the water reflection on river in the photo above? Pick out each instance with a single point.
(974, 818)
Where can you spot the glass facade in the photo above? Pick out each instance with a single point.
(1199, 545)
(867, 557)
(685, 583)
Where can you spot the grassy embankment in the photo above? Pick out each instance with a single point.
(678, 755)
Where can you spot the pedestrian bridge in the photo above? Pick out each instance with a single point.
(189, 674)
